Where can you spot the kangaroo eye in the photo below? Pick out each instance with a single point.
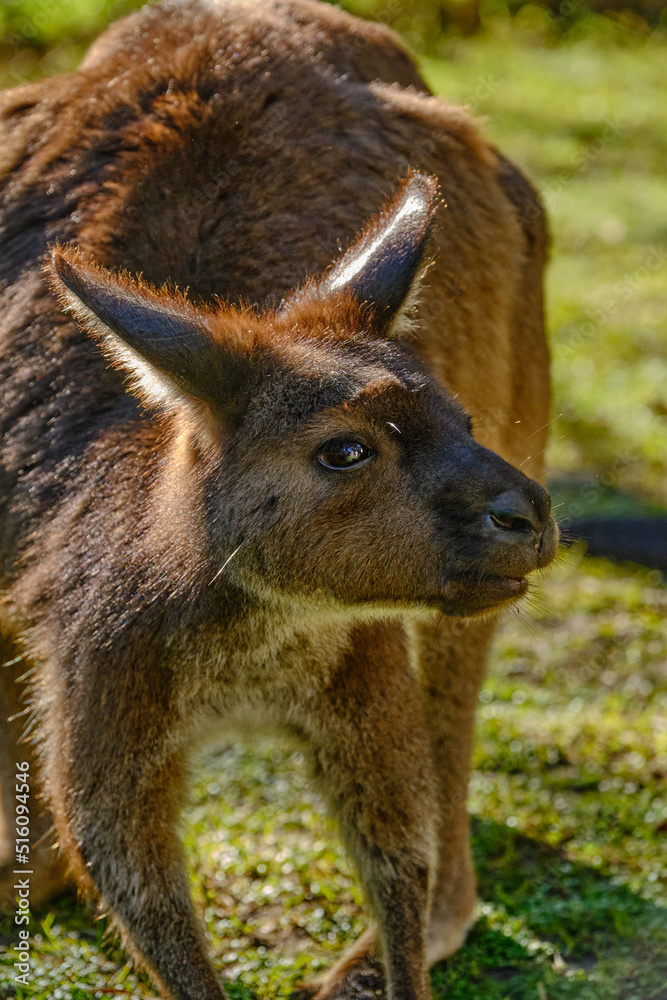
(340, 455)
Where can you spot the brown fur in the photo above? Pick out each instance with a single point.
(182, 566)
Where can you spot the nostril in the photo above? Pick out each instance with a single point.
(510, 522)
(515, 511)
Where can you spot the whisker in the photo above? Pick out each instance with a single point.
(537, 455)
(529, 623)
(225, 564)
(418, 615)
(544, 426)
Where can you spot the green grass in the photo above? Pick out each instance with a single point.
(48, 22)
(569, 791)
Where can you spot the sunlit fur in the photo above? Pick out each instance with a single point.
(174, 561)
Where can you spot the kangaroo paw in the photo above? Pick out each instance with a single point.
(357, 976)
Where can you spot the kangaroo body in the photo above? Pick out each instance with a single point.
(188, 559)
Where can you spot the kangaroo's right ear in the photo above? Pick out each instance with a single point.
(161, 339)
(383, 267)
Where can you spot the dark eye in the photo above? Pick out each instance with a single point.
(343, 454)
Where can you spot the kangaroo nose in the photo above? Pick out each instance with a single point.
(514, 511)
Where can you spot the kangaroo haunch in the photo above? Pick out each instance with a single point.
(243, 486)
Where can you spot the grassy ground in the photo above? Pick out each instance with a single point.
(569, 792)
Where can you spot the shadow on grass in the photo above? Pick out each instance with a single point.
(553, 929)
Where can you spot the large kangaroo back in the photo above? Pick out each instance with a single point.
(238, 167)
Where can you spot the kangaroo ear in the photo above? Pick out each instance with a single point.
(160, 338)
(382, 267)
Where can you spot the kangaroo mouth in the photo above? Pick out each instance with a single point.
(508, 586)
(467, 595)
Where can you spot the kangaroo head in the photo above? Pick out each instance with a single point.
(338, 471)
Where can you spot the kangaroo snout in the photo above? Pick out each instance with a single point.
(497, 530)
(521, 539)
(521, 522)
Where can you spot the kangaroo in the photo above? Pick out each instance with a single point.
(240, 484)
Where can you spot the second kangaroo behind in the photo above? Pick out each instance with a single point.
(236, 522)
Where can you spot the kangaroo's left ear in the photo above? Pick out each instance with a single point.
(166, 344)
(384, 265)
